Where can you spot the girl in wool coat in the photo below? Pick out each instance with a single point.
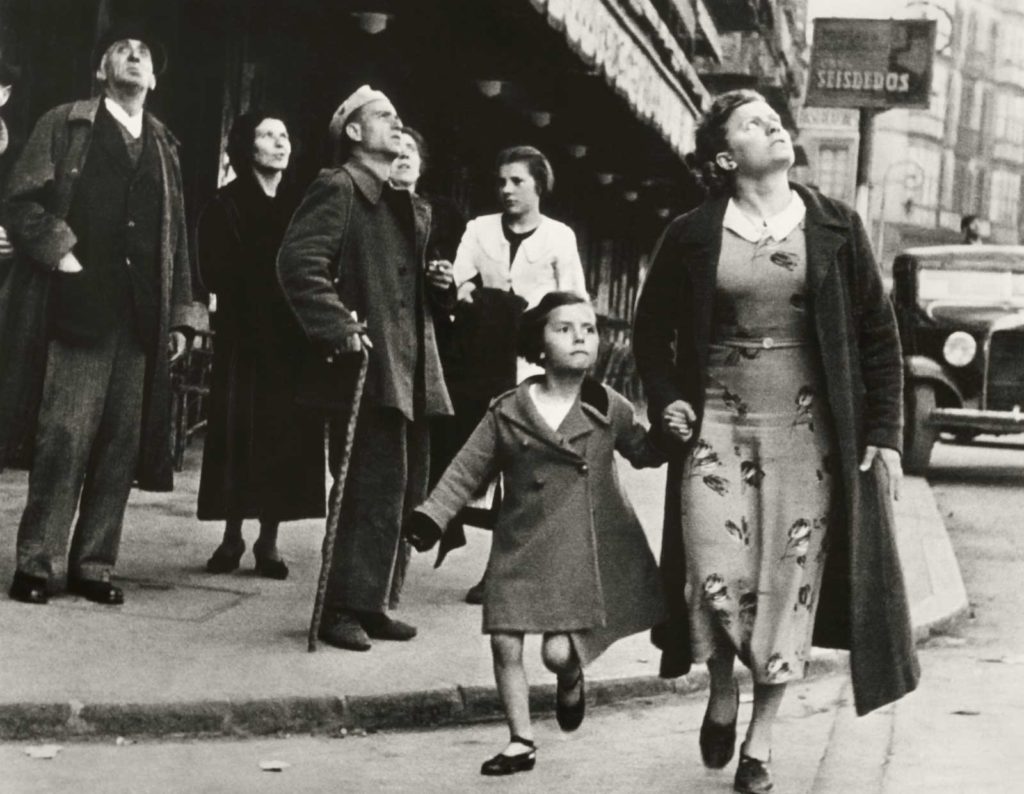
(569, 559)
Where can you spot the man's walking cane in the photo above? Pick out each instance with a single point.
(334, 507)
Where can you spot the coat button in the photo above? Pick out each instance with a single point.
(767, 343)
(131, 224)
(538, 483)
(584, 468)
(336, 281)
(524, 444)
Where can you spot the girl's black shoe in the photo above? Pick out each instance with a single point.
(502, 764)
(718, 742)
(570, 717)
(753, 776)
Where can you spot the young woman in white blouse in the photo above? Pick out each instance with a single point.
(505, 263)
(520, 249)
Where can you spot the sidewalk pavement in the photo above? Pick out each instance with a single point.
(195, 654)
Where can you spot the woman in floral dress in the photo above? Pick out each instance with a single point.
(763, 326)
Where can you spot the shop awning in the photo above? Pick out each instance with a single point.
(661, 88)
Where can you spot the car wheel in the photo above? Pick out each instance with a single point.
(920, 438)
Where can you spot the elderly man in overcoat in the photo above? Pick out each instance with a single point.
(352, 267)
(97, 303)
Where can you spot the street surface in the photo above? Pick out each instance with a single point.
(960, 733)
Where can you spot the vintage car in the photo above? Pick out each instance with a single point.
(960, 310)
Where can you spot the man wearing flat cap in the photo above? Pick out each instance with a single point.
(352, 268)
(98, 303)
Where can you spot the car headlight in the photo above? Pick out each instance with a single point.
(959, 349)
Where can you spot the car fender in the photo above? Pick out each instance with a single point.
(923, 369)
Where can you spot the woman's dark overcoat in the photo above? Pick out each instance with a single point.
(863, 604)
(569, 553)
(263, 456)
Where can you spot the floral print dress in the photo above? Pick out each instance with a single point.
(756, 486)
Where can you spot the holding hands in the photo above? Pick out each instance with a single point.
(678, 420)
(420, 531)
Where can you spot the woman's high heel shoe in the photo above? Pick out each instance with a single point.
(502, 764)
(718, 742)
(225, 559)
(753, 776)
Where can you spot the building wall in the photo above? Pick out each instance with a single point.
(965, 153)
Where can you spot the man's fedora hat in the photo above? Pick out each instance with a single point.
(131, 29)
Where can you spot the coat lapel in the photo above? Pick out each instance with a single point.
(825, 233)
(522, 413)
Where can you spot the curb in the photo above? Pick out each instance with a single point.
(446, 707)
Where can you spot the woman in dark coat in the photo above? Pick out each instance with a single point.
(263, 458)
(763, 330)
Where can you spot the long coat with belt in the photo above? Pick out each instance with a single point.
(263, 456)
(569, 553)
(39, 195)
(863, 604)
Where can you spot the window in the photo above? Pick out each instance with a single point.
(1002, 116)
(961, 188)
(1015, 120)
(1004, 198)
(966, 103)
(835, 174)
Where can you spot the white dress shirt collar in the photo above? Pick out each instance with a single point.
(131, 123)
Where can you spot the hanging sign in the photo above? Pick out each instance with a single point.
(871, 63)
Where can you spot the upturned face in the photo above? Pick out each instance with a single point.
(517, 190)
(757, 142)
(570, 338)
(127, 62)
(377, 128)
(272, 148)
(406, 169)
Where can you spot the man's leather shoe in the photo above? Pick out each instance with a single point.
(380, 627)
(96, 590)
(343, 630)
(28, 589)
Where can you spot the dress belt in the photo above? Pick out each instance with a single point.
(761, 343)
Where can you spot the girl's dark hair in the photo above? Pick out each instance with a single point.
(421, 146)
(531, 324)
(710, 141)
(536, 163)
(243, 136)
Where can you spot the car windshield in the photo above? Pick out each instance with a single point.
(971, 280)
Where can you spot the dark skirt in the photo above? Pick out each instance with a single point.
(263, 456)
